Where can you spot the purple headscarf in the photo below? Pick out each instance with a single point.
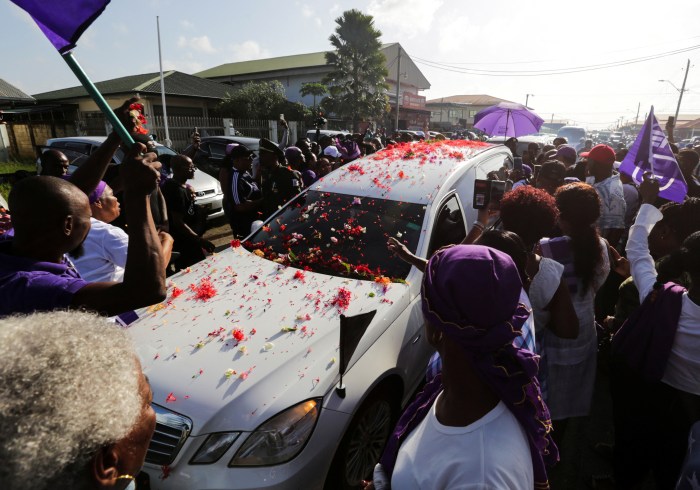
(95, 195)
(471, 293)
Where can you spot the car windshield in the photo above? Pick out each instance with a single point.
(341, 235)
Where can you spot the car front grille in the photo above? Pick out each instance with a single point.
(170, 434)
(205, 192)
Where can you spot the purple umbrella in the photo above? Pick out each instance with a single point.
(508, 119)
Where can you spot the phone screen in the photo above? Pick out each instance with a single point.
(482, 191)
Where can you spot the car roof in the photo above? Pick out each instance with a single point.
(97, 140)
(245, 140)
(407, 172)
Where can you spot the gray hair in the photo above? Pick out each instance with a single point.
(68, 387)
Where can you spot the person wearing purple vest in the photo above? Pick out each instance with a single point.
(51, 218)
(481, 423)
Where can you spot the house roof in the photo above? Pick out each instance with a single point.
(176, 83)
(479, 99)
(292, 62)
(9, 92)
(694, 124)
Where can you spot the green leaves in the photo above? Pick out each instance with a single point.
(356, 84)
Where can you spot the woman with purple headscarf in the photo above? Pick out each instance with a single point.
(481, 423)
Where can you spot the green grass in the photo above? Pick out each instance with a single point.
(24, 164)
(27, 164)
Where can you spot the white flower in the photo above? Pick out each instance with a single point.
(268, 346)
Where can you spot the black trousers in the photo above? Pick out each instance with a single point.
(652, 421)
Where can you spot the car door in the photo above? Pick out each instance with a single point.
(448, 228)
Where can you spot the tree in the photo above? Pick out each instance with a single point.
(255, 100)
(356, 84)
(313, 88)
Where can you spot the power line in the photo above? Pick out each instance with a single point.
(549, 72)
(520, 62)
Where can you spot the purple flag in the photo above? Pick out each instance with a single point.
(64, 21)
(651, 152)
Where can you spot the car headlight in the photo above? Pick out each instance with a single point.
(214, 447)
(281, 438)
(218, 187)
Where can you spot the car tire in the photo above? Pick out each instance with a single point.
(364, 441)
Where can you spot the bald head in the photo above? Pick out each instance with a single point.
(182, 167)
(42, 205)
(53, 163)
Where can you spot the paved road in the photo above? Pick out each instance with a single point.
(219, 233)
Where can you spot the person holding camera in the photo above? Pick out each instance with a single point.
(279, 183)
(186, 219)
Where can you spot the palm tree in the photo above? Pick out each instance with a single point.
(356, 83)
(313, 88)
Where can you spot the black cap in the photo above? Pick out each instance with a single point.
(238, 151)
(270, 147)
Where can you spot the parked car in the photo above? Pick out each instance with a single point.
(207, 189)
(312, 133)
(212, 150)
(244, 356)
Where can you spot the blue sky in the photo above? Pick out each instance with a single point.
(500, 35)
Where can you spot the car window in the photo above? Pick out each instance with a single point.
(341, 235)
(449, 226)
(164, 150)
(217, 150)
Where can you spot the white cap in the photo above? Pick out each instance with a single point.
(332, 151)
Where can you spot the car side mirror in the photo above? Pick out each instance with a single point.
(255, 226)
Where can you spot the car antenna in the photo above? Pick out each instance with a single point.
(352, 328)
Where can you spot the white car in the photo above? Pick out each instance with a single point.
(207, 189)
(245, 354)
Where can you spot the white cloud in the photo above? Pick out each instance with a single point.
(248, 50)
(307, 11)
(120, 28)
(186, 24)
(198, 43)
(404, 18)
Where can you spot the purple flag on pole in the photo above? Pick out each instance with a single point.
(652, 153)
(64, 21)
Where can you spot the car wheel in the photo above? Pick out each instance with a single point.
(364, 441)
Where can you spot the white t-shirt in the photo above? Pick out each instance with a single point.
(105, 253)
(491, 453)
(683, 367)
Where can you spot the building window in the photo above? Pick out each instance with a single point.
(452, 113)
(472, 113)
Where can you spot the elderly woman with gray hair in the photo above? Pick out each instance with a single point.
(75, 406)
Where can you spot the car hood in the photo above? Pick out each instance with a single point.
(288, 322)
(202, 181)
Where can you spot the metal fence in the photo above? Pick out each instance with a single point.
(182, 127)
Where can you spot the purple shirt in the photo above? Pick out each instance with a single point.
(28, 285)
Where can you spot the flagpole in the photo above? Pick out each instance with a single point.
(167, 142)
(99, 100)
(651, 142)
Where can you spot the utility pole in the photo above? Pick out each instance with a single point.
(637, 116)
(680, 96)
(398, 87)
(527, 97)
(162, 88)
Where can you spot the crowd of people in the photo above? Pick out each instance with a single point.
(576, 254)
(589, 247)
